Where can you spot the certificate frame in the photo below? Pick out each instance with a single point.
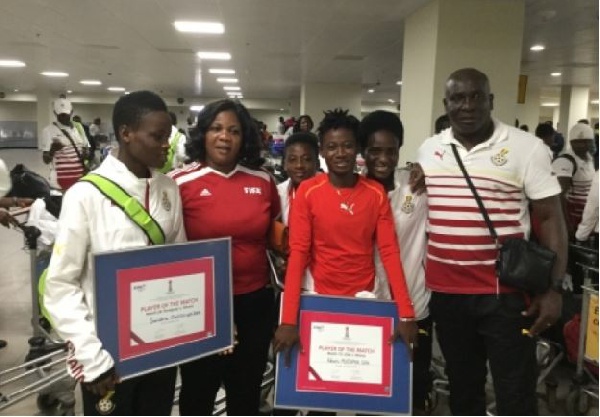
(190, 288)
(299, 386)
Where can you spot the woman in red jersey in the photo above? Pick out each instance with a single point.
(224, 193)
(335, 220)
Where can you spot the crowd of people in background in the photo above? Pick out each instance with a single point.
(413, 235)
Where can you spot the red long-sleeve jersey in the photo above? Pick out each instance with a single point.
(332, 232)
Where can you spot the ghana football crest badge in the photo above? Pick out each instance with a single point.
(166, 203)
(500, 158)
(408, 205)
(105, 405)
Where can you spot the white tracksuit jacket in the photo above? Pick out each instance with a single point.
(90, 223)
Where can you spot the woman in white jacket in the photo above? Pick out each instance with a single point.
(91, 223)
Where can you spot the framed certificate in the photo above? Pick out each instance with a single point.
(163, 305)
(346, 363)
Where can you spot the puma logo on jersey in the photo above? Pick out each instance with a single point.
(205, 193)
(439, 154)
(253, 190)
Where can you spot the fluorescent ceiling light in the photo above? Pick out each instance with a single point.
(16, 90)
(398, 82)
(594, 101)
(10, 63)
(227, 80)
(537, 48)
(54, 74)
(69, 91)
(116, 89)
(223, 56)
(390, 100)
(231, 88)
(550, 104)
(199, 27)
(221, 71)
(90, 82)
(370, 90)
(196, 108)
(556, 74)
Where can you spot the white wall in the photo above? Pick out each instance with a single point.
(18, 111)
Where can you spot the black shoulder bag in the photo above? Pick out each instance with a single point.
(521, 264)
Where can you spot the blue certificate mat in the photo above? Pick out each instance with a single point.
(164, 305)
(346, 363)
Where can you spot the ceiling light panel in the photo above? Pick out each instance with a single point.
(90, 82)
(11, 63)
(199, 27)
(219, 56)
(231, 88)
(221, 71)
(116, 89)
(54, 74)
(227, 80)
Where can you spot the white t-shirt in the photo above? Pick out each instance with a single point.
(589, 220)
(581, 181)
(285, 194)
(5, 182)
(410, 219)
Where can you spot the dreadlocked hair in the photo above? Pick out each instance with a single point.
(337, 119)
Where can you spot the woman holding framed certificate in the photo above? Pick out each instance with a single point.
(225, 193)
(334, 223)
(93, 221)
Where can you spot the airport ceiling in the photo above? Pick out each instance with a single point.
(276, 45)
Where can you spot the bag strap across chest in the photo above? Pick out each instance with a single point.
(130, 206)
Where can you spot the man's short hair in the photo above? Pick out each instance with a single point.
(544, 130)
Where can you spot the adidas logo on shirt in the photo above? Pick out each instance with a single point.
(205, 193)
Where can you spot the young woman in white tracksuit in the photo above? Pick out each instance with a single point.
(91, 223)
(381, 135)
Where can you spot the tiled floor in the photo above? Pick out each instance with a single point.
(15, 310)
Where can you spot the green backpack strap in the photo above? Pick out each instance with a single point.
(130, 206)
(41, 288)
(168, 166)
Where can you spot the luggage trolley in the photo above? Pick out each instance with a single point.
(585, 382)
(44, 371)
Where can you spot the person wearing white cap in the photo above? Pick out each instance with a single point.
(575, 171)
(65, 145)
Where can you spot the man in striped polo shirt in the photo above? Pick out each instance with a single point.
(65, 145)
(477, 319)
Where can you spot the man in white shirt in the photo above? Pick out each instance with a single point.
(575, 171)
(589, 219)
(65, 146)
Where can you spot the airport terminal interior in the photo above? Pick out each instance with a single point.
(282, 59)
